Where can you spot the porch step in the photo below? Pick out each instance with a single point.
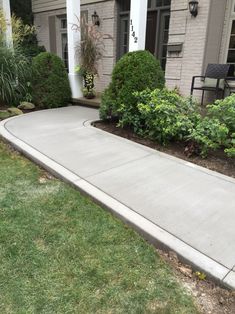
(95, 102)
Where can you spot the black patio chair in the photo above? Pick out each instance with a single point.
(214, 79)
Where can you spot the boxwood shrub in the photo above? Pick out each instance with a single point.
(134, 72)
(50, 84)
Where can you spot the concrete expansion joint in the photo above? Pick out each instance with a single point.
(98, 184)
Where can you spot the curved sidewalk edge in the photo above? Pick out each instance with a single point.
(154, 234)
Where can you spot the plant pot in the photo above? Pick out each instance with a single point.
(89, 96)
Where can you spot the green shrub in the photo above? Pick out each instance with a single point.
(30, 46)
(161, 115)
(134, 72)
(209, 134)
(50, 84)
(230, 151)
(224, 111)
(14, 74)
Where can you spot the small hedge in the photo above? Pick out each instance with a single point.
(160, 115)
(134, 72)
(50, 84)
(165, 116)
(224, 111)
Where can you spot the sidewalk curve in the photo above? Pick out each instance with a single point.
(173, 203)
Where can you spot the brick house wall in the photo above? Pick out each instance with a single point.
(201, 39)
(204, 38)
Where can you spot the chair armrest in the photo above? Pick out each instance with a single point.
(199, 76)
(196, 77)
(193, 81)
(229, 80)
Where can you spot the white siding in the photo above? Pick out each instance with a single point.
(49, 5)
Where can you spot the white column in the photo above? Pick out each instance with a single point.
(138, 21)
(7, 14)
(74, 38)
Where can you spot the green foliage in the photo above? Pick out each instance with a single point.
(134, 72)
(165, 116)
(209, 134)
(50, 84)
(61, 253)
(161, 115)
(230, 152)
(15, 72)
(25, 36)
(224, 111)
(30, 46)
(107, 104)
(20, 30)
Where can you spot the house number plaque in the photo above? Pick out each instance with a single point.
(133, 33)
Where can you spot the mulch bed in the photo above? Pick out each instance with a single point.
(216, 161)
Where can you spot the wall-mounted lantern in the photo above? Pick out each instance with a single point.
(193, 7)
(95, 19)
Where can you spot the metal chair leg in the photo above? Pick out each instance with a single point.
(203, 92)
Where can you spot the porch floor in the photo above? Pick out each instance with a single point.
(95, 102)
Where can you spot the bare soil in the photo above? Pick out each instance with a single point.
(216, 160)
(208, 296)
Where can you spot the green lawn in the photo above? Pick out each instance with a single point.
(61, 253)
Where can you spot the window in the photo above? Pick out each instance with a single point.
(63, 23)
(124, 26)
(64, 41)
(231, 48)
(158, 3)
(124, 34)
(63, 37)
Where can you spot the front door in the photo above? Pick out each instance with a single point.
(163, 38)
(157, 32)
(151, 32)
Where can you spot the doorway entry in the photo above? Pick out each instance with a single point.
(157, 30)
(157, 35)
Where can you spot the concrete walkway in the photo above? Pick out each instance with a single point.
(174, 203)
